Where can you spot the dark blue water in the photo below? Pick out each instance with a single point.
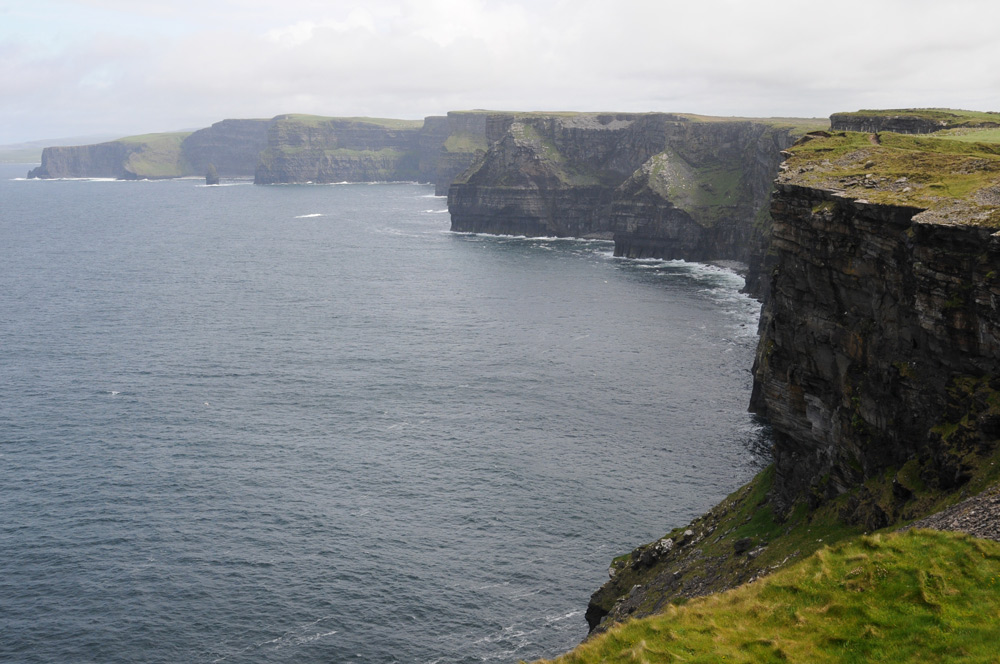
(309, 424)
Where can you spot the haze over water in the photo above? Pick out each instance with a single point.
(309, 424)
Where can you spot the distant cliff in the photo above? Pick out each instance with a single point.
(913, 121)
(660, 185)
(288, 149)
(232, 146)
(137, 157)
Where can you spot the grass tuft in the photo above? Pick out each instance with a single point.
(921, 596)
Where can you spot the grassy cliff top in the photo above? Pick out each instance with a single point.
(157, 140)
(947, 117)
(802, 124)
(956, 179)
(317, 120)
(796, 125)
(919, 596)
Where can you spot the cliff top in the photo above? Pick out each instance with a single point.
(945, 118)
(953, 178)
(795, 125)
(317, 120)
(919, 596)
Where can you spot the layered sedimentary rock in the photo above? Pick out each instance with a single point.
(880, 342)
(232, 146)
(912, 121)
(661, 185)
(450, 150)
(288, 149)
(878, 363)
(151, 156)
(304, 148)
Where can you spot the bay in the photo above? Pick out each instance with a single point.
(310, 424)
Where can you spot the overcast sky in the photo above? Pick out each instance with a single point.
(79, 67)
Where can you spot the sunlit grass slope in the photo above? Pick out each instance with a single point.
(922, 596)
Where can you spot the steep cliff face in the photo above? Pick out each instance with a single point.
(231, 146)
(304, 148)
(661, 185)
(703, 198)
(912, 121)
(137, 157)
(460, 143)
(103, 160)
(878, 364)
(880, 342)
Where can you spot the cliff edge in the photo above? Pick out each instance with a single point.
(877, 364)
(660, 185)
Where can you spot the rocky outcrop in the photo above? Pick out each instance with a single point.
(303, 148)
(232, 146)
(660, 185)
(453, 144)
(288, 149)
(141, 157)
(911, 121)
(880, 341)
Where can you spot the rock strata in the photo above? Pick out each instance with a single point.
(660, 185)
(880, 341)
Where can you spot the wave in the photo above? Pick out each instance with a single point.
(309, 216)
(530, 238)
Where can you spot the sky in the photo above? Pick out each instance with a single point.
(121, 67)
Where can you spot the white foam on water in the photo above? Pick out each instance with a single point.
(309, 216)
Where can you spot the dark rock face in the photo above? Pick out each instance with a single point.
(211, 175)
(231, 145)
(662, 186)
(103, 160)
(880, 343)
(905, 122)
(453, 146)
(289, 149)
(324, 150)
(900, 124)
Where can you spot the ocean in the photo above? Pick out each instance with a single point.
(310, 424)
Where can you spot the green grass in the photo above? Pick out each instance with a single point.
(951, 117)
(157, 155)
(922, 596)
(796, 126)
(160, 140)
(465, 142)
(319, 120)
(928, 172)
(970, 135)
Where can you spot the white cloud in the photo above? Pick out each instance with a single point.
(116, 65)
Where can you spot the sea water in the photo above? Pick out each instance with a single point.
(310, 424)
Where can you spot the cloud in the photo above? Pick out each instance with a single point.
(107, 65)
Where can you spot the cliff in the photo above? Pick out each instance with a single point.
(288, 149)
(880, 343)
(137, 157)
(307, 148)
(232, 146)
(877, 364)
(460, 141)
(660, 185)
(913, 121)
